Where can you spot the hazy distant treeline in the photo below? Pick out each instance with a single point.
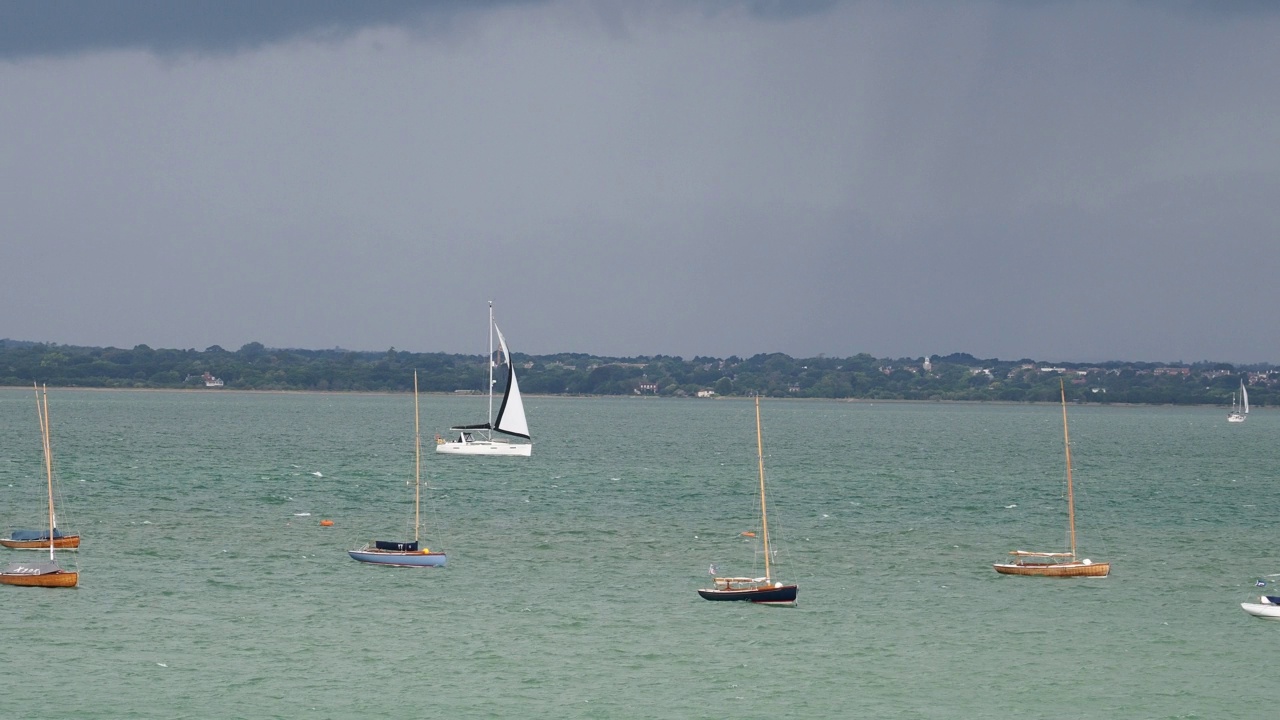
(952, 377)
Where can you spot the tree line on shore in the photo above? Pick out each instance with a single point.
(952, 377)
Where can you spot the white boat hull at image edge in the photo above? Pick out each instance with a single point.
(1270, 612)
(485, 447)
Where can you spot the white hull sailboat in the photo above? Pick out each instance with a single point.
(1239, 413)
(397, 553)
(1057, 564)
(509, 423)
(764, 590)
(1266, 607)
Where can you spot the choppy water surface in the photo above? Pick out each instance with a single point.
(209, 589)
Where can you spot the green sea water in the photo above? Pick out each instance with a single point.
(208, 591)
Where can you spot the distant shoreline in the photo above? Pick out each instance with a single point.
(866, 401)
(958, 377)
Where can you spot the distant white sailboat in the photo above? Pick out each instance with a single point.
(1239, 413)
(479, 439)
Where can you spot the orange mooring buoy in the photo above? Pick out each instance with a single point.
(326, 523)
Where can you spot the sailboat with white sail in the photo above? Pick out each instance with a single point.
(1057, 564)
(405, 553)
(44, 573)
(491, 437)
(765, 590)
(1239, 412)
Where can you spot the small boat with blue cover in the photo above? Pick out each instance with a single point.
(44, 573)
(39, 540)
(405, 553)
(399, 554)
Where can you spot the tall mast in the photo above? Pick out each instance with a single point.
(417, 460)
(43, 412)
(764, 513)
(1066, 440)
(491, 368)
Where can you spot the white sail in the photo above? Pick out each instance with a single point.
(510, 418)
(1239, 413)
(480, 439)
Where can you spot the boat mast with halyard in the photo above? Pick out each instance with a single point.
(1057, 564)
(405, 554)
(44, 573)
(479, 439)
(765, 589)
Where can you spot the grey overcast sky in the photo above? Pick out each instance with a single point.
(1059, 180)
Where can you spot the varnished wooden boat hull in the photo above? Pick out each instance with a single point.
(66, 542)
(59, 579)
(1072, 569)
(785, 595)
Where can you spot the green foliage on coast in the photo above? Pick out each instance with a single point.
(951, 377)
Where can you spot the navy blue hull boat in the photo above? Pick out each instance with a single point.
(751, 589)
(764, 590)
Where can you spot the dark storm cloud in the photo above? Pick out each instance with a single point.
(59, 27)
(1065, 179)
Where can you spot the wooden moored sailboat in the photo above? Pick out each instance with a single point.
(1057, 564)
(480, 439)
(44, 573)
(405, 554)
(39, 540)
(758, 589)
